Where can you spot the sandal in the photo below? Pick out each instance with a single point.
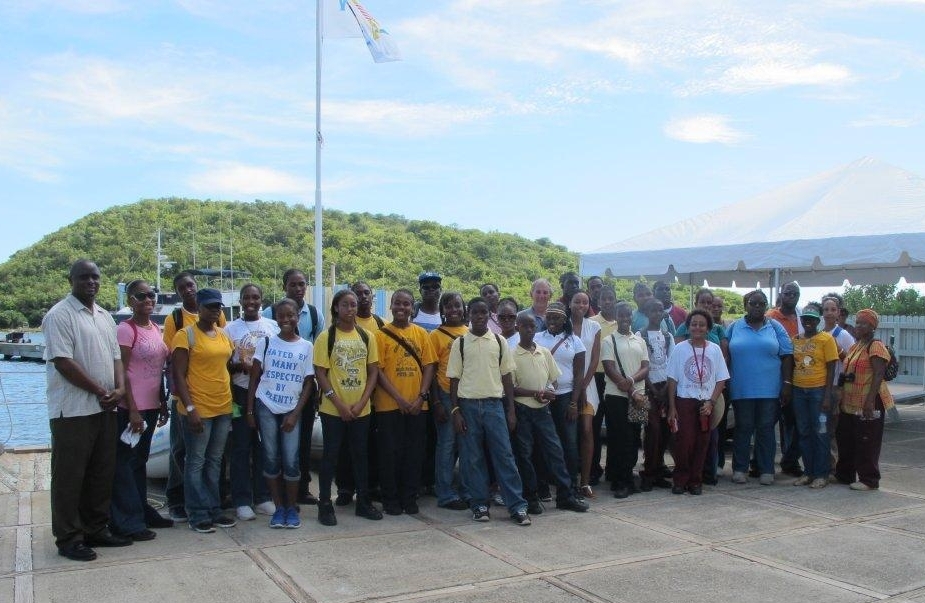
(587, 492)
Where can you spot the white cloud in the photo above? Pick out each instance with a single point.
(703, 129)
(238, 180)
(23, 148)
(885, 121)
(410, 119)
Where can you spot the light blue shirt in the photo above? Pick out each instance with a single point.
(307, 330)
(756, 358)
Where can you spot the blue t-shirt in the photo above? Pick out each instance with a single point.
(756, 357)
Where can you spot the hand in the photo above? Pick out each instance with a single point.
(290, 421)
(404, 407)
(511, 419)
(251, 420)
(416, 406)
(459, 424)
(163, 415)
(135, 420)
(868, 409)
(194, 422)
(571, 413)
(110, 398)
(786, 394)
(440, 414)
(706, 408)
(345, 412)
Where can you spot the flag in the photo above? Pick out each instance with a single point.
(350, 19)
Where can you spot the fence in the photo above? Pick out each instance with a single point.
(907, 334)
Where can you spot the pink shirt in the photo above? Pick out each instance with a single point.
(146, 366)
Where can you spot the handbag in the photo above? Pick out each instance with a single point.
(637, 411)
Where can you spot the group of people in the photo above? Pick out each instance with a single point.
(515, 397)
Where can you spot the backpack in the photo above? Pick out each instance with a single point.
(892, 365)
(462, 343)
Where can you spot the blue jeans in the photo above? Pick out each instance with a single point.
(755, 416)
(486, 425)
(203, 466)
(807, 405)
(280, 449)
(129, 509)
(567, 430)
(790, 450)
(245, 458)
(445, 457)
(535, 427)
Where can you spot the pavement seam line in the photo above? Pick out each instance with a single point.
(804, 573)
(23, 589)
(561, 584)
(279, 577)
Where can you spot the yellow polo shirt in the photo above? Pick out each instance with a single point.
(477, 368)
(533, 369)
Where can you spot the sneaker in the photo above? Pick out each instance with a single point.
(738, 477)
(521, 518)
(391, 508)
(819, 482)
(326, 515)
(203, 527)
(766, 479)
(480, 513)
(571, 504)
(861, 487)
(279, 518)
(224, 521)
(307, 498)
(534, 507)
(245, 513)
(497, 499)
(411, 508)
(292, 518)
(178, 513)
(544, 495)
(266, 508)
(455, 505)
(803, 480)
(343, 499)
(368, 510)
(157, 521)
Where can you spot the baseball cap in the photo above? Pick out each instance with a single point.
(430, 276)
(208, 296)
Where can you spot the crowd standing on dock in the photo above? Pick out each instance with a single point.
(516, 398)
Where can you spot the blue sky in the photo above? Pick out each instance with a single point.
(586, 122)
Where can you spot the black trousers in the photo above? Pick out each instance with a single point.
(401, 440)
(83, 462)
(622, 447)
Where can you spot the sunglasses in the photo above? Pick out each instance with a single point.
(141, 296)
(213, 306)
(507, 316)
(758, 304)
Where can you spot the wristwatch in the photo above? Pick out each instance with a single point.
(329, 394)
(424, 396)
(190, 409)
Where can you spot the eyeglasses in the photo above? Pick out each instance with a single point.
(143, 295)
(507, 316)
(213, 306)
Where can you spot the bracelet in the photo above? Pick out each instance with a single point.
(788, 383)
(573, 405)
(455, 410)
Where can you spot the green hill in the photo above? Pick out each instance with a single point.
(266, 238)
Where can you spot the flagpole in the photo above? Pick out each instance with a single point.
(318, 290)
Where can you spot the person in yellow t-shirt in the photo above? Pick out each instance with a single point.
(202, 385)
(185, 286)
(345, 369)
(453, 310)
(406, 368)
(815, 355)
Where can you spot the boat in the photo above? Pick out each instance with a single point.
(18, 345)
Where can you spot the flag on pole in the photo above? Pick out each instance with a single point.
(350, 19)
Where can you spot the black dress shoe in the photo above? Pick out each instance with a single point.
(159, 522)
(307, 498)
(621, 492)
(368, 510)
(77, 551)
(662, 483)
(696, 490)
(455, 505)
(143, 535)
(535, 507)
(106, 538)
(710, 480)
(391, 508)
(677, 489)
(343, 499)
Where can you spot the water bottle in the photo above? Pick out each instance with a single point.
(823, 423)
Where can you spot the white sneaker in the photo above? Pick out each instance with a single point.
(266, 508)
(739, 477)
(860, 487)
(819, 482)
(766, 479)
(802, 480)
(245, 513)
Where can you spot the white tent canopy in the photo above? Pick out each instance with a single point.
(864, 222)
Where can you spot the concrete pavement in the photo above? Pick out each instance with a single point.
(735, 543)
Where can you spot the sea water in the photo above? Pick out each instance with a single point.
(23, 404)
